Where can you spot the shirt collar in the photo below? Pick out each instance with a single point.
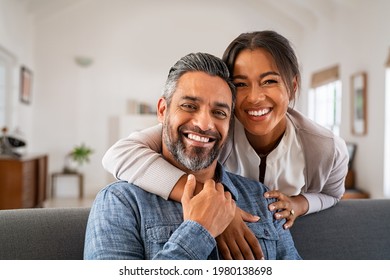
(222, 176)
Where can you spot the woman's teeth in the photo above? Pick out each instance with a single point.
(259, 112)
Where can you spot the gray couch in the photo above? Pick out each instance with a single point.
(353, 229)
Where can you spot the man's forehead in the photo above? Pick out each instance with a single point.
(201, 86)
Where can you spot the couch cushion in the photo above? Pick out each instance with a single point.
(351, 230)
(43, 233)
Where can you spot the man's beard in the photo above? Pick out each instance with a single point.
(192, 158)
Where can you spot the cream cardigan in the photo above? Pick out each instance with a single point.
(136, 159)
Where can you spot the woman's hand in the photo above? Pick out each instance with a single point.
(287, 207)
(238, 242)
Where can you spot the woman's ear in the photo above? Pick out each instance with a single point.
(295, 84)
(161, 109)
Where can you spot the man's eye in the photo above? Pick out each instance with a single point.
(188, 107)
(220, 114)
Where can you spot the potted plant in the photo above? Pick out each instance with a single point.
(77, 157)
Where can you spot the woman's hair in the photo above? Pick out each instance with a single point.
(279, 48)
(197, 62)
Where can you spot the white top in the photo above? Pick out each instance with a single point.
(245, 161)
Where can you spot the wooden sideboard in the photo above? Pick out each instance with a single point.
(23, 181)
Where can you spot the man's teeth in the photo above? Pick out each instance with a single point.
(259, 112)
(198, 138)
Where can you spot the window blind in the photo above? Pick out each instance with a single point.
(325, 76)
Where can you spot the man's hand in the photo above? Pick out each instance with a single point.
(238, 242)
(213, 208)
(287, 207)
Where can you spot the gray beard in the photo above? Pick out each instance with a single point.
(192, 158)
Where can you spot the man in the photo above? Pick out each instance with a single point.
(196, 111)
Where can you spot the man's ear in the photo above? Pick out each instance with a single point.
(161, 109)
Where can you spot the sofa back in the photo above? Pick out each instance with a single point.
(43, 233)
(353, 229)
(356, 229)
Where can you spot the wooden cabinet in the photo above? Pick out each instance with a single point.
(350, 191)
(23, 182)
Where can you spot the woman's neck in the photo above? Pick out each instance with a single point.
(264, 144)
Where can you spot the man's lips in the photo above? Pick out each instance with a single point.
(199, 138)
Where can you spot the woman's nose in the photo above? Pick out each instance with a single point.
(256, 94)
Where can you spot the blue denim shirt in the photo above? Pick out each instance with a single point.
(127, 222)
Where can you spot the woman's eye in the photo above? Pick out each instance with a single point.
(268, 82)
(239, 85)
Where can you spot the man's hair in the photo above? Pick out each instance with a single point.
(197, 62)
(275, 44)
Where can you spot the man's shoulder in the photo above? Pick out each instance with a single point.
(124, 188)
(239, 180)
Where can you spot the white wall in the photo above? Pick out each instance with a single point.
(133, 45)
(357, 40)
(17, 39)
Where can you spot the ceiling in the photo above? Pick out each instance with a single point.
(298, 14)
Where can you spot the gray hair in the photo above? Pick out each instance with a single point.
(193, 62)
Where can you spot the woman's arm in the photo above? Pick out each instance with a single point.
(316, 198)
(137, 159)
(333, 189)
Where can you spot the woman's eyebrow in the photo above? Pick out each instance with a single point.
(261, 75)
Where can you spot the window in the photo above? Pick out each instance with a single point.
(7, 64)
(387, 132)
(325, 99)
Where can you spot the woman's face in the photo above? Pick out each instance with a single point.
(262, 97)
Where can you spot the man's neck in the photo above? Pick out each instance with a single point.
(200, 175)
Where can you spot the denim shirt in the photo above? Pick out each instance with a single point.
(127, 222)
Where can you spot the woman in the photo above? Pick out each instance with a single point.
(303, 164)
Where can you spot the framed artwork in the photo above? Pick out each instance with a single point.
(25, 85)
(351, 152)
(359, 103)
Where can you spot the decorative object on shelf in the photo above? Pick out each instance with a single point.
(9, 144)
(25, 85)
(359, 103)
(76, 158)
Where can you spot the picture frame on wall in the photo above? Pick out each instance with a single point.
(359, 103)
(25, 85)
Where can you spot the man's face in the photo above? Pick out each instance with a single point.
(196, 123)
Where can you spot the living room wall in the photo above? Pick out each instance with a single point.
(132, 45)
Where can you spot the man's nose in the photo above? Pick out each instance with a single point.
(204, 120)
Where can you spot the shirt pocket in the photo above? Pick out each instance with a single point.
(268, 237)
(156, 235)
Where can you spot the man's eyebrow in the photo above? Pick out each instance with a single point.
(216, 104)
(222, 105)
